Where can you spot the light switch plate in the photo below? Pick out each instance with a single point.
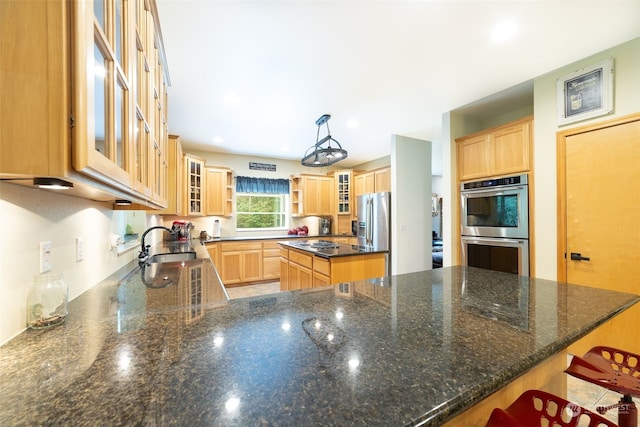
(45, 257)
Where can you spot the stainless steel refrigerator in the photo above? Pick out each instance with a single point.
(374, 220)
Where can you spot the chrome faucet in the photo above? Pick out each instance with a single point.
(144, 251)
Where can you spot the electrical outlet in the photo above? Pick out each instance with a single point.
(79, 249)
(45, 257)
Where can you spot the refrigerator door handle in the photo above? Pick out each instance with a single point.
(370, 221)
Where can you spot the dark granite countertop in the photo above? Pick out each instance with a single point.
(400, 350)
(328, 249)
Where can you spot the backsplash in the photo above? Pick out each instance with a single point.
(31, 216)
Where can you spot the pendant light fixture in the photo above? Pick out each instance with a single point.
(322, 153)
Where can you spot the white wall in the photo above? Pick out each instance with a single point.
(240, 166)
(626, 101)
(30, 216)
(410, 205)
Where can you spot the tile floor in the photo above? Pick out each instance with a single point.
(253, 290)
(591, 396)
(580, 392)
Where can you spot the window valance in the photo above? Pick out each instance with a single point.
(247, 184)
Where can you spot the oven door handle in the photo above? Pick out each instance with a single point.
(485, 191)
(493, 242)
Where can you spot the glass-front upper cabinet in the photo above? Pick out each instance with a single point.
(120, 129)
(343, 190)
(103, 113)
(195, 174)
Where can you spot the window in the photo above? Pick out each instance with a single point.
(261, 211)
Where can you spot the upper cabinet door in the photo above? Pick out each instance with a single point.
(195, 179)
(102, 108)
(343, 181)
(498, 151)
(511, 146)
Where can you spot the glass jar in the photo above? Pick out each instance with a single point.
(47, 301)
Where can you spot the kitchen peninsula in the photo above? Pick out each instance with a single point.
(312, 263)
(412, 349)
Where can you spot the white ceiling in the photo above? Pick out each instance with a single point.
(257, 74)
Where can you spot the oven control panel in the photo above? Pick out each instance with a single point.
(496, 182)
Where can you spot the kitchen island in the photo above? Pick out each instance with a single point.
(316, 262)
(412, 349)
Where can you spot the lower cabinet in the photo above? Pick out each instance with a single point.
(249, 261)
(270, 260)
(284, 272)
(300, 277)
(321, 272)
(214, 253)
(240, 262)
(300, 269)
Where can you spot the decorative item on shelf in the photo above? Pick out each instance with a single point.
(434, 204)
(47, 301)
(320, 154)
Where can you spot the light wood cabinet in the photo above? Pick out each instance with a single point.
(75, 100)
(240, 262)
(195, 177)
(498, 151)
(320, 280)
(321, 272)
(344, 183)
(344, 203)
(304, 270)
(375, 181)
(270, 260)
(365, 183)
(284, 273)
(312, 195)
(248, 261)
(219, 191)
(175, 179)
(300, 274)
(214, 253)
(382, 180)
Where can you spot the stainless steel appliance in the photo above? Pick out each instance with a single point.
(325, 226)
(495, 224)
(496, 207)
(374, 220)
(498, 254)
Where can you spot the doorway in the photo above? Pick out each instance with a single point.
(598, 221)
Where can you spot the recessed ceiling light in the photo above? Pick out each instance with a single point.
(353, 124)
(217, 140)
(504, 30)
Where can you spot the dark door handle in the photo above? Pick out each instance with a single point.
(576, 256)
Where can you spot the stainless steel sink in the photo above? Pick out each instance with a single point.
(172, 257)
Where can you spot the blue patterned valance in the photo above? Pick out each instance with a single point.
(247, 184)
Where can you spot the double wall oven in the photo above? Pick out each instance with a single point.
(495, 224)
